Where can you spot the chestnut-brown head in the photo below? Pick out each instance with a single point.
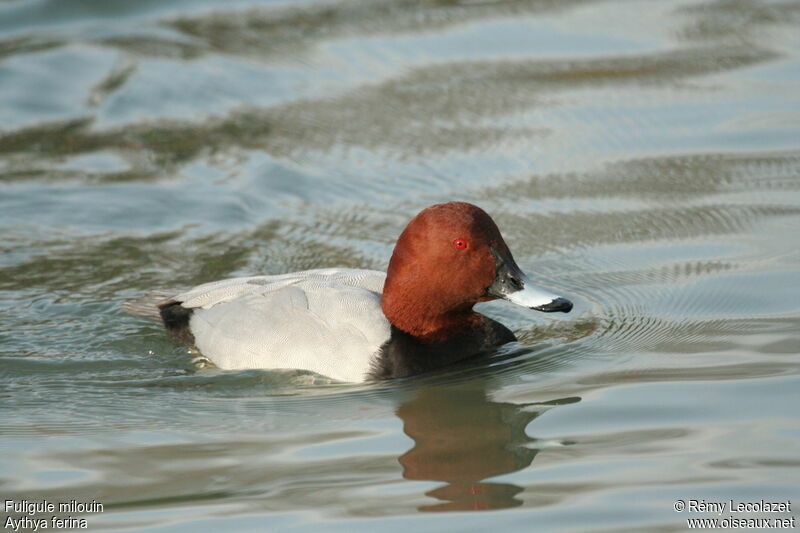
(449, 257)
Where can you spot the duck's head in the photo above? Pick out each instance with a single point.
(448, 258)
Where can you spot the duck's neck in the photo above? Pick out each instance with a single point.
(428, 324)
(436, 328)
(427, 334)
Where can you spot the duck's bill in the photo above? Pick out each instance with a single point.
(538, 298)
(511, 284)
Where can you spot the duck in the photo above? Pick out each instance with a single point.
(357, 325)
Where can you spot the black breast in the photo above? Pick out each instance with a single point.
(404, 355)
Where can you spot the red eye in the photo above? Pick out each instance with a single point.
(460, 244)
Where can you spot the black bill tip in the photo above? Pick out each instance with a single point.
(559, 304)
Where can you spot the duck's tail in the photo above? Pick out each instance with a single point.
(149, 305)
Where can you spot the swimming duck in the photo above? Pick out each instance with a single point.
(360, 325)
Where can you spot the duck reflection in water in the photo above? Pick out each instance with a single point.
(462, 438)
